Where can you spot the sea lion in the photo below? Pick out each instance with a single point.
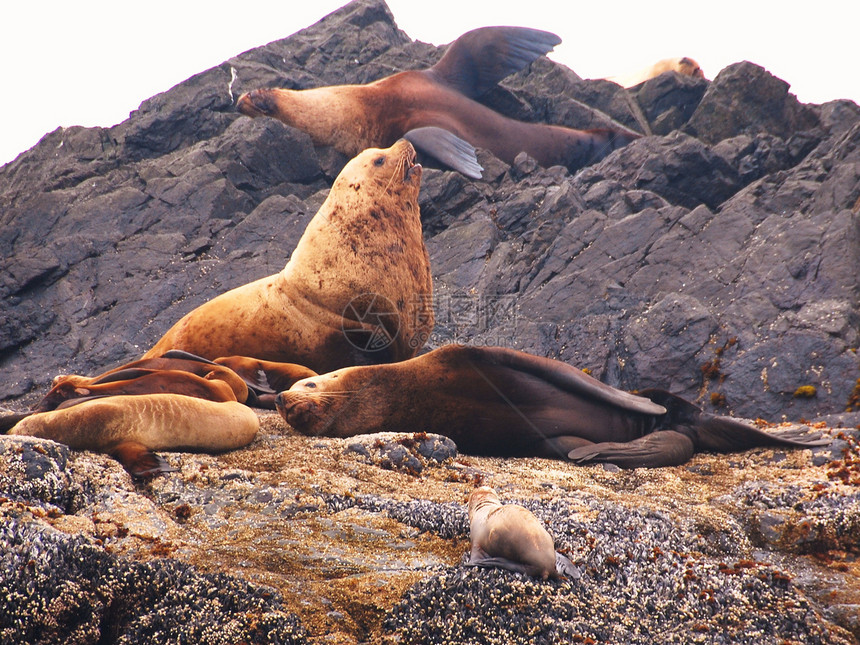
(501, 402)
(176, 372)
(141, 381)
(510, 537)
(353, 117)
(356, 290)
(129, 428)
(684, 66)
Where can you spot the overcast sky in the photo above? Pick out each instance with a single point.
(91, 62)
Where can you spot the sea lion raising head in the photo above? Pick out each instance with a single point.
(356, 290)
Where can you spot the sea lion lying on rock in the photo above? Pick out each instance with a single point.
(130, 428)
(423, 105)
(509, 536)
(502, 402)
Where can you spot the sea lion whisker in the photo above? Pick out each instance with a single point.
(398, 171)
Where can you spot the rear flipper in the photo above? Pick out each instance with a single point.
(724, 434)
(140, 462)
(448, 148)
(661, 448)
(503, 563)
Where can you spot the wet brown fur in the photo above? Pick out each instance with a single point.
(365, 239)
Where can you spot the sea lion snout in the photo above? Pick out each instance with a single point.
(256, 103)
(299, 411)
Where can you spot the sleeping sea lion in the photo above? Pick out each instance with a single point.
(130, 428)
(501, 402)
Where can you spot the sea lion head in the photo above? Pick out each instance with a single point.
(689, 67)
(482, 496)
(258, 103)
(342, 403)
(393, 170)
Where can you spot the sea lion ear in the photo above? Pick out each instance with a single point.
(447, 148)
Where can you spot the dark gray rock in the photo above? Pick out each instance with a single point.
(744, 98)
(62, 589)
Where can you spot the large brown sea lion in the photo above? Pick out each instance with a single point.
(353, 117)
(129, 428)
(510, 537)
(496, 401)
(684, 66)
(356, 290)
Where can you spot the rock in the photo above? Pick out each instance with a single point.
(746, 99)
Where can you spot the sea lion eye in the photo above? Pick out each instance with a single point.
(379, 161)
(310, 385)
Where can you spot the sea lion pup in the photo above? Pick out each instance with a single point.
(353, 117)
(356, 290)
(501, 402)
(684, 66)
(509, 536)
(130, 428)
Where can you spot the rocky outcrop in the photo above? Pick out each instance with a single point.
(717, 258)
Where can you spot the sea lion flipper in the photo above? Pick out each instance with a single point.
(480, 58)
(661, 448)
(564, 567)
(500, 563)
(140, 461)
(725, 434)
(448, 148)
(188, 356)
(563, 376)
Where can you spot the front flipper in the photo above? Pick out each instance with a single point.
(661, 448)
(479, 59)
(501, 563)
(564, 567)
(140, 461)
(448, 148)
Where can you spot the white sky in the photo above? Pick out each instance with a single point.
(91, 62)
